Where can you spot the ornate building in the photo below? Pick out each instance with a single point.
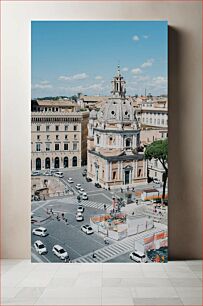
(58, 135)
(113, 141)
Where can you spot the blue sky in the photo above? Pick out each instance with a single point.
(82, 56)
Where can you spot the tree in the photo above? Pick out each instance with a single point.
(159, 150)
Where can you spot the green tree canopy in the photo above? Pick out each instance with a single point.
(158, 150)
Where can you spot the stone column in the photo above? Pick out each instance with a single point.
(110, 174)
(107, 171)
(136, 169)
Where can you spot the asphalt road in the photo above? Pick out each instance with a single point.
(68, 236)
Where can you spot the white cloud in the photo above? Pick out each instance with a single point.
(148, 63)
(145, 36)
(42, 85)
(98, 77)
(79, 76)
(125, 69)
(135, 38)
(136, 70)
(141, 78)
(160, 80)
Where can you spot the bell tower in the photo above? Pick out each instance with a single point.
(118, 85)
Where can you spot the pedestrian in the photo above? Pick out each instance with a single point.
(104, 206)
(133, 213)
(93, 255)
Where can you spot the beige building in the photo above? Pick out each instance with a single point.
(91, 102)
(113, 140)
(58, 134)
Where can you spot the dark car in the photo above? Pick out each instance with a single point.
(97, 185)
(88, 179)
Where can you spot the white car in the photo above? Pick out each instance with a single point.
(47, 173)
(58, 174)
(70, 180)
(40, 247)
(78, 186)
(80, 209)
(84, 196)
(156, 181)
(79, 217)
(81, 191)
(60, 252)
(87, 229)
(35, 173)
(40, 231)
(138, 256)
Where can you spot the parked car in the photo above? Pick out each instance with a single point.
(88, 179)
(80, 209)
(97, 185)
(81, 190)
(79, 217)
(40, 247)
(84, 196)
(59, 174)
(87, 229)
(78, 186)
(60, 252)
(48, 173)
(156, 181)
(70, 180)
(54, 170)
(138, 256)
(40, 231)
(35, 173)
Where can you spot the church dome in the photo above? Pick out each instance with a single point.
(117, 108)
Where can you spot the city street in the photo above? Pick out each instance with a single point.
(79, 245)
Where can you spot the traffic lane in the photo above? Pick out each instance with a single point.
(70, 236)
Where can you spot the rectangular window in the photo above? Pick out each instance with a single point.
(47, 146)
(47, 128)
(38, 137)
(57, 137)
(75, 136)
(114, 175)
(38, 147)
(162, 121)
(65, 146)
(56, 146)
(57, 127)
(75, 128)
(38, 127)
(66, 136)
(66, 127)
(74, 146)
(48, 137)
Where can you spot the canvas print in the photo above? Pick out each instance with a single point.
(99, 142)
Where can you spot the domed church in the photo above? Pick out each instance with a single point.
(113, 159)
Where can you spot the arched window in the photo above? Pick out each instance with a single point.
(47, 163)
(56, 162)
(74, 161)
(38, 163)
(65, 162)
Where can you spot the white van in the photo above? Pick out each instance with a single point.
(138, 256)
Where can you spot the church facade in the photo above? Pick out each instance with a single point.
(113, 158)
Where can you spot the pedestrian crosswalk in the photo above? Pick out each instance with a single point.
(114, 250)
(87, 203)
